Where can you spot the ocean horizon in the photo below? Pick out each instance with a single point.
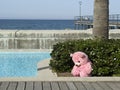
(35, 24)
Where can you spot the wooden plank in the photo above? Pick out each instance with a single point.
(88, 85)
(21, 86)
(29, 86)
(96, 86)
(37, 85)
(46, 86)
(80, 86)
(12, 86)
(4, 85)
(113, 85)
(0, 83)
(104, 86)
(55, 86)
(71, 86)
(63, 86)
(60, 86)
(118, 84)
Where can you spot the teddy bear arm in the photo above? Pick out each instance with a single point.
(75, 71)
(88, 68)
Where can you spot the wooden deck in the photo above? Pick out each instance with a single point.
(38, 85)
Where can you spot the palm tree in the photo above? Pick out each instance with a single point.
(101, 19)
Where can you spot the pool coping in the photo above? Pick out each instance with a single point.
(91, 79)
(25, 50)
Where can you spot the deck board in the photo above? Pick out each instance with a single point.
(71, 86)
(46, 86)
(96, 86)
(55, 86)
(21, 86)
(12, 86)
(80, 86)
(104, 86)
(4, 85)
(88, 86)
(113, 85)
(29, 86)
(118, 84)
(38, 86)
(59, 85)
(63, 86)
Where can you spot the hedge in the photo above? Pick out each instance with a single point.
(104, 54)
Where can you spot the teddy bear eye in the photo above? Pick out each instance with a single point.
(79, 61)
(83, 56)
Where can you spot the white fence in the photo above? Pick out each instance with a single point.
(44, 39)
(39, 40)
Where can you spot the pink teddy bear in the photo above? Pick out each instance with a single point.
(82, 65)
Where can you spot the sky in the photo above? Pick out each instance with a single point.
(49, 9)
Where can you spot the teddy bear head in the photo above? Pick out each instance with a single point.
(79, 58)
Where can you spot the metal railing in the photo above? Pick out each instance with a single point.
(114, 20)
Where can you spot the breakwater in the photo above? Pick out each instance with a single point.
(43, 39)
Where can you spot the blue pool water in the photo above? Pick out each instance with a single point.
(20, 64)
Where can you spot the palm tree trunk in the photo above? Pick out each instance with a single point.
(101, 19)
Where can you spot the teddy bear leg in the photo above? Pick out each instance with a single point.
(83, 74)
(74, 73)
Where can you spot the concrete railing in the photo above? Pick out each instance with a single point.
(44, 39)
(38, 39)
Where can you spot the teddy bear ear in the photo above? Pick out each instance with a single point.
(71, 55)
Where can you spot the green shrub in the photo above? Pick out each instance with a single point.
(104, 54)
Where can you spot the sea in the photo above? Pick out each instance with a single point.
(22, 24)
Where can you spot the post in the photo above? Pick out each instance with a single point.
(117, 20)
(80, 2)
(15, 39)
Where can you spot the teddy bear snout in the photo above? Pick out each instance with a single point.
(77, 64)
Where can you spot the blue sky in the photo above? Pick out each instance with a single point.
(49, 9)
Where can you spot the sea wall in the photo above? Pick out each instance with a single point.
(43, 39)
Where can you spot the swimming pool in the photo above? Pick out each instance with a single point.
(20, 64)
